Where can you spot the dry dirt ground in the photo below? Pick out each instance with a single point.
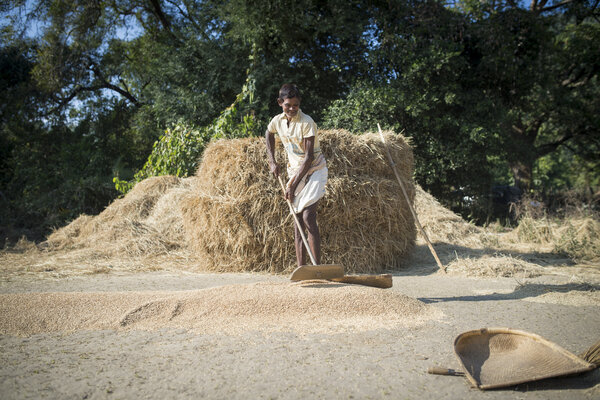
(151, 334)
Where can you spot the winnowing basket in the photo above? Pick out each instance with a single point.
(499, 357)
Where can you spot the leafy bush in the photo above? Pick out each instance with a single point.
(175, 153)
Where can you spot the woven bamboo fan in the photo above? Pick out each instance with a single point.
(499, 357)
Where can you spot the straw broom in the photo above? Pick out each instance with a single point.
(592, 355)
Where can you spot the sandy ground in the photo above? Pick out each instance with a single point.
(323, 356)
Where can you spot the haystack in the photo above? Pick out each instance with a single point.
(232, 216)
(237, 220)
(145, 222)
(443, 225)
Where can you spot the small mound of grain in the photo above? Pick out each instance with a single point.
(267, 307)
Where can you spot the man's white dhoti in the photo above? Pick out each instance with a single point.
(310, 189)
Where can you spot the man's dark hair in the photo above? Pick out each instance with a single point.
(289, 91)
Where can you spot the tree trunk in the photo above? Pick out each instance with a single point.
(523, 174)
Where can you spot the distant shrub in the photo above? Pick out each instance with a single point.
(579, 239)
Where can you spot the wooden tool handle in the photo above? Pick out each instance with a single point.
(383, 281)
(312, 257)
(444, 371)
(412, 210)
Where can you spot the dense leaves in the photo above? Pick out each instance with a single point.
(487, 91)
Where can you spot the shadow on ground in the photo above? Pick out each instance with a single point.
(422, 263)
(520, 292)
(581, 381)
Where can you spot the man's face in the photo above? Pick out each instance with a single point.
(290, 106)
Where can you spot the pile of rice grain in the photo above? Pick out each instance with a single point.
(265, 306)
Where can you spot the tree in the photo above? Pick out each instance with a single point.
(539, 65)
(417, 86)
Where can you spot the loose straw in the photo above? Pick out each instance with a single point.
(439, 263)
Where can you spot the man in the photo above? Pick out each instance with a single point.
(307, 168)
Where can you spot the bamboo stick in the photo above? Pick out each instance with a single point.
(414, 214)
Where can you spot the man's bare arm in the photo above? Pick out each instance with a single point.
(270, 140)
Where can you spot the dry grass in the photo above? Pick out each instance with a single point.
(231, 217)
(145, 222)
(444, 226)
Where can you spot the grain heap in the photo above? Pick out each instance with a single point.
(237, 220)
(264, 306)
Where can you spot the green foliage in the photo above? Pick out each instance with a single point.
(482, 97)
(320, 45)
(488, 91)
(178, 150)
(422, 95)
(175, 153)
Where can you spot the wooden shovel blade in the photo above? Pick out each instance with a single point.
(383, 281)
(326, 271)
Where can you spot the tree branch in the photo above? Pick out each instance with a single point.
(550, 147)
(63, 101)
(188, 17)
(541, 8)
(107, 85)
(157, 10)
(102, 84)
(533, 5)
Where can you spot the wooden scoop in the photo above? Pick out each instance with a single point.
(335, 273)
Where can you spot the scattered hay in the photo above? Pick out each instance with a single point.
(534, 230)
(578, 237)
(145, 222)
(498, 265)
(303, 308)
(442, 225)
